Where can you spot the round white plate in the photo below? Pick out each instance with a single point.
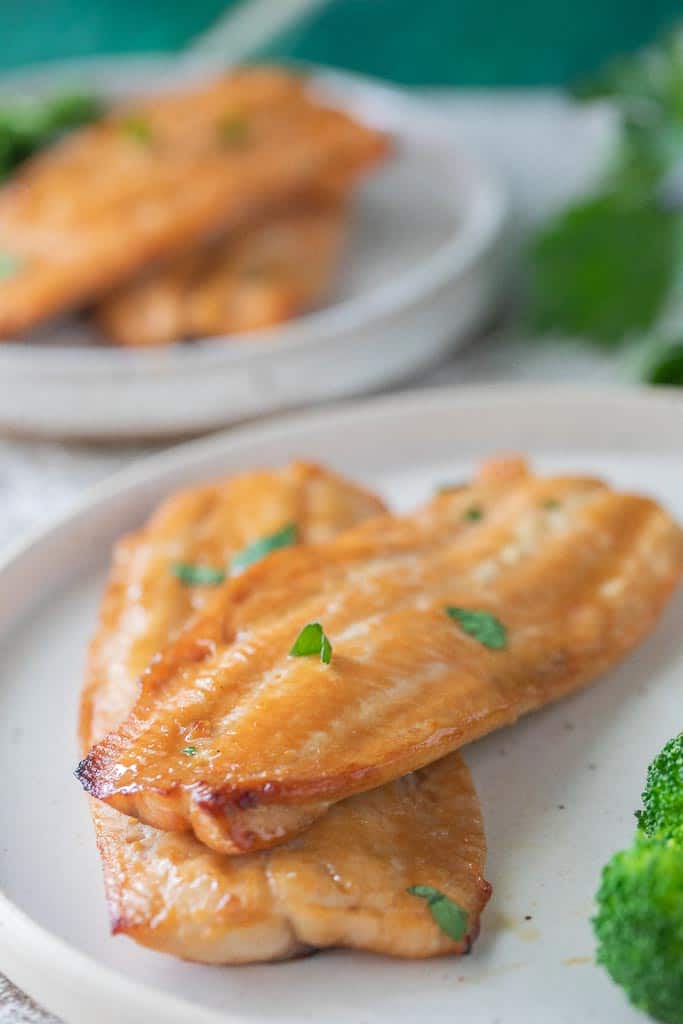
(558, 790)
(424, 263)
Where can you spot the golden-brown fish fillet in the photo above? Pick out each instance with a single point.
(149, 181)
(266, 274)
(146, 604)
(576, 572)
(344, 882)
(341, 883)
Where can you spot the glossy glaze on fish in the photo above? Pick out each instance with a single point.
(344, 882)
(146, 604)
(150, 180)
(576, 572)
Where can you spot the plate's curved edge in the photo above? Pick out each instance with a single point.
(487, 221)
(554, 399)
(49, 955)
(26, 945)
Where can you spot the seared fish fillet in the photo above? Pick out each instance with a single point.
(268, 273)
(149, 181)
(575, 572)
(344, 881)
(146, 605)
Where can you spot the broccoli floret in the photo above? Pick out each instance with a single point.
(663, 796)
(639, 924)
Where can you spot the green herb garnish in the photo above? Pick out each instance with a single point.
(234, 130)
(481, 625)
(608, 267)
(27, 127)
(199, 575)
(551, 503)
(665, 365)
(474, 513)
(9, 264)
(137, 128)
(312, 640)
(603, 267)
(451, 919)
(190, 751)
(282, 538)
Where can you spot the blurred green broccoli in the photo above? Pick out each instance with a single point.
(639, 919)
(27, 127)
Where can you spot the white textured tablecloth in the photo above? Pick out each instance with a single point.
(546, 150)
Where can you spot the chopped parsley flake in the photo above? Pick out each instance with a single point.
(234, 130)
(282, 538)
(190, 751)
(137, 128)
(10, 264)
(191, 574)
(474, 513)
(312, 640)
(481, 625)
(451, 918)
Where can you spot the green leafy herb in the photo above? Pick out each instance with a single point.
(9, 264)
(450, 918)
(282, 538)
(312, 640)
(481, 625)
(27, 127)
(474, 513)
(665, 366)
(234, 130)
(609, 267)
(651, 80)
(192, 574)
(603, 267)
(137, 128)
(190, 751)
(551, 503)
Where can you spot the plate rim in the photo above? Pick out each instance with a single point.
(30, 950)
(485, 222)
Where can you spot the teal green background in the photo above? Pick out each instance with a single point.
(458, 42)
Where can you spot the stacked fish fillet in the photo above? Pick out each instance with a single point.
(215, 210)
(284, 777)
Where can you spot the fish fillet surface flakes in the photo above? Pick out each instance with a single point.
(574, 572)
(343, 883)
(264, 275)
(146, 182)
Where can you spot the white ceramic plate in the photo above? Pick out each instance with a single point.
(424, 263)
(558, 790)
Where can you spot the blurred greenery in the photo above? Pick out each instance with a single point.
(609, 267)
(25, 127)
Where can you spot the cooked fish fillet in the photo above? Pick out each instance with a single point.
(268, 273)
(575, 572)
(342, 883)
(146, 604)
(151, 180)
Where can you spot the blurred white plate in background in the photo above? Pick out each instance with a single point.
(424, 265)
(558, 790)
